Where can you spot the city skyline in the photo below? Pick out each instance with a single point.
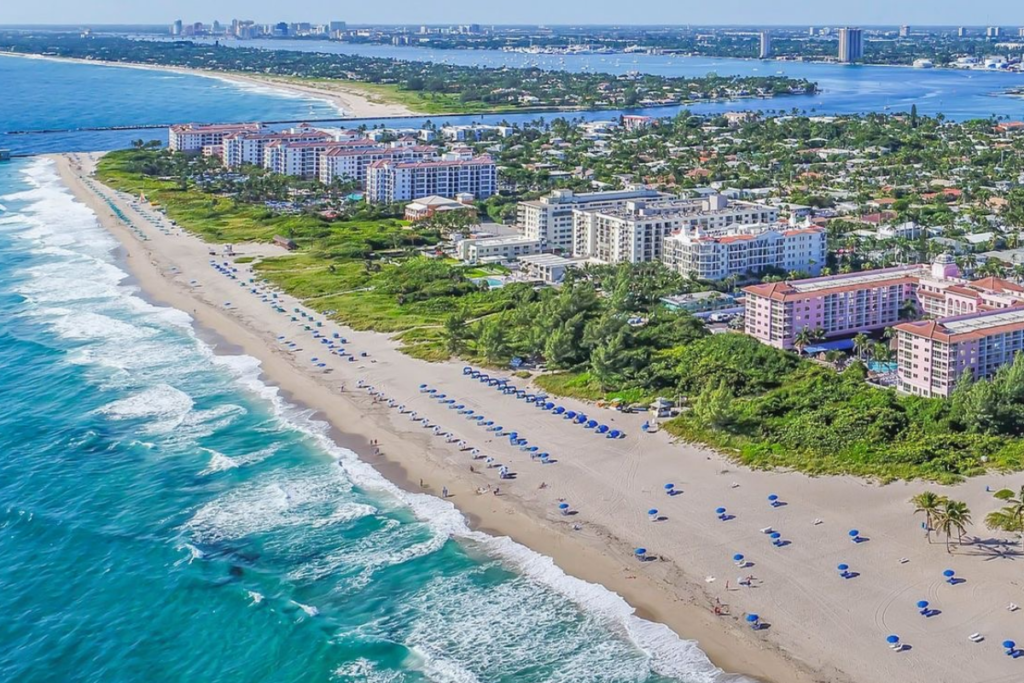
(528, 12)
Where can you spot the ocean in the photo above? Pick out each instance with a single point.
(121, 96)
(166, 516)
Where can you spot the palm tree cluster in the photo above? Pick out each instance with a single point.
(942, 514)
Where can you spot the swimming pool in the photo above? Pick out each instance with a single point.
(876, 366)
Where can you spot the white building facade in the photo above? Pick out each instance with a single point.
(636, 232)
(550, 218)
(746, 251)
(396, 181)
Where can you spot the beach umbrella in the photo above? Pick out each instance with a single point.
(669, 487)
(752, 618)
(922, 604)
(1009, 644)
(559, 410)
(854, 535)
(570, 415)
(773, 499)
(423, 386)
(614, 434)
(892, 640)
(591, 424)
(737, 557)
(843, 567)
(640, 552)
(775, 535)
(532, 449)
(948, 573)
(487, 424)
(581, 418)
(563, 506)
(720, 511)
(478, 418)
(467, 370)
(653, 512)
(602, 429)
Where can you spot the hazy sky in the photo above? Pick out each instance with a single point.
(865, 12)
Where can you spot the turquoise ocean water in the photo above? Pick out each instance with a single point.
(164, 516)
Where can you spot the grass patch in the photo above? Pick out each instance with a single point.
(583, 386)
(387, 93)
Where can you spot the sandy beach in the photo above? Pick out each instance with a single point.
(818, 626)
(353, 102)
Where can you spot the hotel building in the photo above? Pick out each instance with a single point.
(840, 305)
(550, 218)
(745, 251)
(351, 163)
(396, 181)
(636, 232)
(192, 138)
(851, 45)
(249, 147)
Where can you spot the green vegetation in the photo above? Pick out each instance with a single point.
(436, 86)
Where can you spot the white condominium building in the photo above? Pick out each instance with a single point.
(745, 250)
(636, 232)
(550, 219)
(346, 163)
(191, 137)
(248, 147)
(397, 181)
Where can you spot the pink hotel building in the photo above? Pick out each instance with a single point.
(976, 325)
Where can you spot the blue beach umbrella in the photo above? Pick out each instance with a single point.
(669, 487)
(752, 618)
(1009, 644)
(772, 498)
(601, 429)
(737, 557)
(640, 552)
(720, 511)
(652, 511)
(922, 604)
(854, 534)
(591, 424)
(843, 567)
(775, 535)
(948, 573)
(892, 640)
(563, 506)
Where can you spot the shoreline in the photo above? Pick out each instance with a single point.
(821, 630)
(349, 101)
(354, 421)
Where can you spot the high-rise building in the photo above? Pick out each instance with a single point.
(744, 251)
(851, 45)
(1020, 32)
(810, 31)
(177, 28)
(993, 32)
(904, 31)
(961, 32)
(337, 26)
(389, 181)
(766, 45)
(550, 218)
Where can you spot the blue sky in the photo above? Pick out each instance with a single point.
(865, 12)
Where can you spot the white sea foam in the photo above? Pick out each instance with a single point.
(267, 505)
(256, 598)
(364, 671)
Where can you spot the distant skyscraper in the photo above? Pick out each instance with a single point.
(904, 31)
(851, 45)
(337, 26)
(1020, 33)
(177, 28)
(810, 31)
(961, 32)
(766, 45)
(993, 32)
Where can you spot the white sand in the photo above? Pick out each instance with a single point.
(822, 628)
(353, 102)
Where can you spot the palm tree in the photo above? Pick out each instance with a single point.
(803, 339)
(953, 516)
(861, 343)
(928, 504)
(1010, 517)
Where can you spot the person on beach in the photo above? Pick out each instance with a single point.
(444, 491)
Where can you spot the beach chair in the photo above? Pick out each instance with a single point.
(975, 637)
